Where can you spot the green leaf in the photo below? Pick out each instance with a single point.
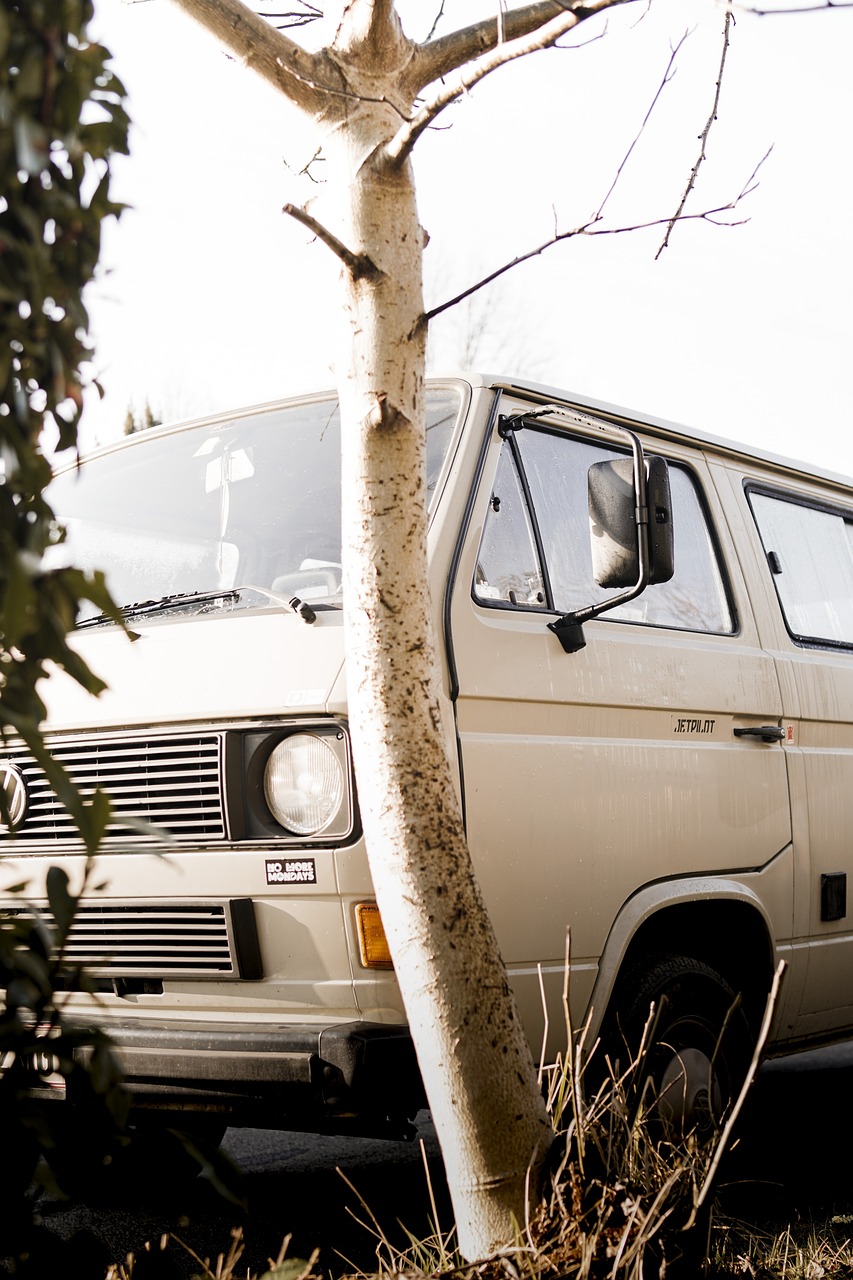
(98, 815)
(63, 904)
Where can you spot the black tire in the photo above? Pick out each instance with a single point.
(699, 1045)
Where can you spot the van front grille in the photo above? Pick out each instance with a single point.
(172, 783)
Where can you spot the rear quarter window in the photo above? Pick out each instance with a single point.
(809, 551)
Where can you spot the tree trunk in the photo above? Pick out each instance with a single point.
(474, 1057)
(475, 1060)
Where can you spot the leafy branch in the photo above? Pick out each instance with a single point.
(67, 106)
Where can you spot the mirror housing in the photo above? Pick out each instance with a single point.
(630, 534)
(613, 522)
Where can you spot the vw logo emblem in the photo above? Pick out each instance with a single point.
(14, 789)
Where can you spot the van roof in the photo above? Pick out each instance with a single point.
(543, 394)
(650, 423)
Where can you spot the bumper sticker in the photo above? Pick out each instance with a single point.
(291, 871)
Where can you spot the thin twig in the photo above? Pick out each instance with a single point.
(436, 21)
(359, 265)
(703, 136)
(380, 1234)
(805, 8)
(667, 76)
(590, 228)
(305, 171)
(546, 1026)
(294, 18)
(542, 37)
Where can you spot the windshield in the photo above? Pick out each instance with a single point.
(228, 505)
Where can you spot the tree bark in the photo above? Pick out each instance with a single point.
(475, 1060)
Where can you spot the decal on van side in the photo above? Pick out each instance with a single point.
(693, 726)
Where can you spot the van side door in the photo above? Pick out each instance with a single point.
(802, 539)
(593, 775)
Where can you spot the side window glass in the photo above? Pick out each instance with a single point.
(555, 468)
(695, 598)
(508, 569)
(810, 554)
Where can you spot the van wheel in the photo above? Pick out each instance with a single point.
(700, 1047)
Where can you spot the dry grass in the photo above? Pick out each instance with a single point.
(621, 1203)
(798, 1251)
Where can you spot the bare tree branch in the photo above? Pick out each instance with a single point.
(305, 171)
(370, 33)
(359, 265)
(306, 79)
(822, 7)
(591, 228)
(703, 137)
(542, 36)
(436, 20)
(439, 57)
(294, 17)
(667, 76)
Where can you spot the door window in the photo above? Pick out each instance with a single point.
(535, 550)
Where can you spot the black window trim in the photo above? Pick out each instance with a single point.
(814, 503)
(546, 428)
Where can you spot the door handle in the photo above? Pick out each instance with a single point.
(766, 732)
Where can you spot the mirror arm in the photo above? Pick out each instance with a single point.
(569, 627)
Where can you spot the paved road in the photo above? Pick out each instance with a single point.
(787, 1159)
(291, 1185)
(793, 1152)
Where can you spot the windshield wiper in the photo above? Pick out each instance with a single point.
(145, 607)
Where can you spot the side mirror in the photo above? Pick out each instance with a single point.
(613, 522)
(630, 519)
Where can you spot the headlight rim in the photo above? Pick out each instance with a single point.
(283, 812)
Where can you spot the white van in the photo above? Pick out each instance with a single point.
(670, 777)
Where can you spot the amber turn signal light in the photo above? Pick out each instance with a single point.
(371, 937)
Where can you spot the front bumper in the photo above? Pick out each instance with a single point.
(353, 1077)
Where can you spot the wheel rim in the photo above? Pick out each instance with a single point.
(689, 1096)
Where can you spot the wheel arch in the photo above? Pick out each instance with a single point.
(721, 923)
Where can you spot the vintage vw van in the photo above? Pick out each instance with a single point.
(664, 768)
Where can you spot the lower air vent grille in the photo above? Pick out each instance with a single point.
(138, 941)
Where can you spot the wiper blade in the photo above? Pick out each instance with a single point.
(145, 607)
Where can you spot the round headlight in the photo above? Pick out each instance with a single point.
(304, 784)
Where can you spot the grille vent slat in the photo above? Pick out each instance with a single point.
(182, 939)
(171, 782)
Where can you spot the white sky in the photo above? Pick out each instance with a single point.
(214, 298)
